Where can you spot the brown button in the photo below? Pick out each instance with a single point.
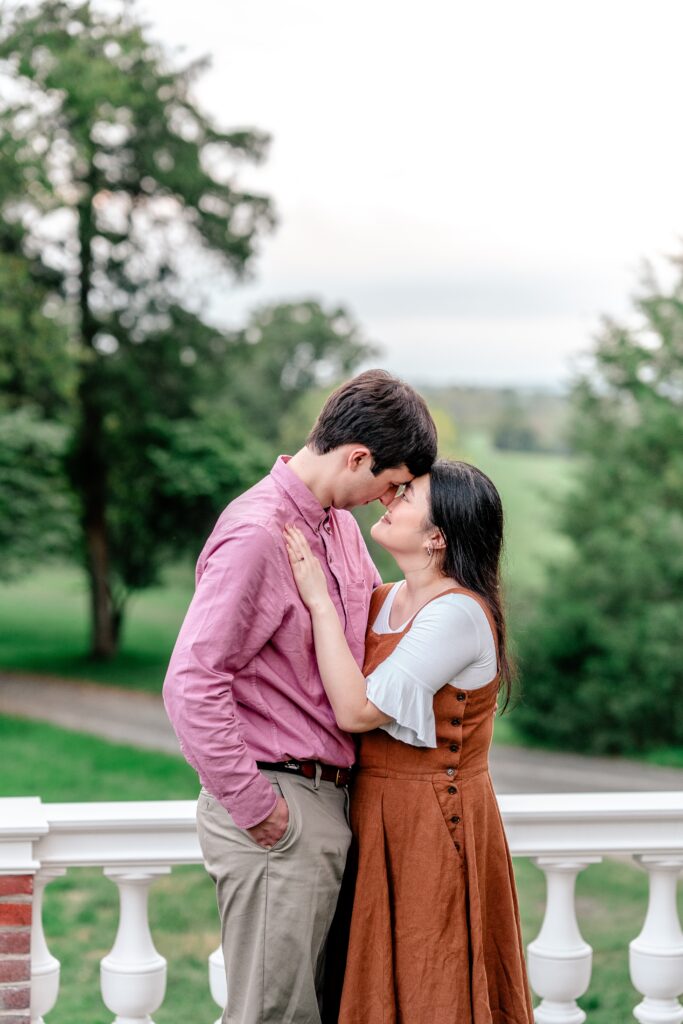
(455, 819)
(456, 721)
(454, 747)
(450, 771)
(452, 790)
(461, 696)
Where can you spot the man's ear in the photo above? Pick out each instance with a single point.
(358, 456)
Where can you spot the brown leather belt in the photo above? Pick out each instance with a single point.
(328, 773)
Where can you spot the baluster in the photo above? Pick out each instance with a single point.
(133, 974)
(559, 959)
(656, 956)
(217, 981)
(44, 966)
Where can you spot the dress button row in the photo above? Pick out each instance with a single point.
(456, 721)
(450, 771)
(454, 747)
(460, 696)
(455, 819)
(452, 790)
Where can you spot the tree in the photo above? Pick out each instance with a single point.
(284, 351)
(32, 481)
(602, 665)
(117, 189)
(36, 366)
(37, 513)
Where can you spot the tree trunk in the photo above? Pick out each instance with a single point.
(91, 465)
(103, 632)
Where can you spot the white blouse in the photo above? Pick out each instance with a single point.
(450, 641)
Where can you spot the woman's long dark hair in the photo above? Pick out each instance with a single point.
(466, 507)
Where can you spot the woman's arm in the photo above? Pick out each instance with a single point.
(343, 681)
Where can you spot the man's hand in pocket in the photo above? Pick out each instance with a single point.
(269, 831)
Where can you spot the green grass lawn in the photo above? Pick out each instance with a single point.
(81, 909)
(44, 615)
(44, 620)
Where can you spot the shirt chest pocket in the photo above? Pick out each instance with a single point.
(357, 595)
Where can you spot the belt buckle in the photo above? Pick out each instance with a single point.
(292, 765)
(336, 778)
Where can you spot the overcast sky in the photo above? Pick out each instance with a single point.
(477, 182)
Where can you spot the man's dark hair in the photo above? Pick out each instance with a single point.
(385, 415)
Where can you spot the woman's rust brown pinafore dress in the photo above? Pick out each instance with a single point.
(435, 935)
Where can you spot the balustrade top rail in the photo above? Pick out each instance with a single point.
(154, 831)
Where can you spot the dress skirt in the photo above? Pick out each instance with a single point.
(435, 935)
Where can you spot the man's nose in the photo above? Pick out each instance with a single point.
(388, 496)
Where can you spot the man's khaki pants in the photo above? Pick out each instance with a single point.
(276, 906)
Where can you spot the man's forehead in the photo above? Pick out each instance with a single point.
(400, 475)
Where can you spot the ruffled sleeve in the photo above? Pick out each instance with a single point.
(409, 704)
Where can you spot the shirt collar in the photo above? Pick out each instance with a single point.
(304, 499)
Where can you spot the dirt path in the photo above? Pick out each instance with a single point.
(138, 719)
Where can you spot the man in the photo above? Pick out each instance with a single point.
(245, 697)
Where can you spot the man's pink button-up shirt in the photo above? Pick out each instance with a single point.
(243, 682)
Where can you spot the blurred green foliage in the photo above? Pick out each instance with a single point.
(282, 354)
(36, 507)
(602, 666)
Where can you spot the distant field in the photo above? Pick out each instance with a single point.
(81, 909)
(530, 485)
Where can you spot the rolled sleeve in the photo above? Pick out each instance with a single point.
(237, 606)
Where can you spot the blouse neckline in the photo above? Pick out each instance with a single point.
(389, 600)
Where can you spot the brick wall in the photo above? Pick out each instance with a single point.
(15, 948)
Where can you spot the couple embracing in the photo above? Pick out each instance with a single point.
(292, 644)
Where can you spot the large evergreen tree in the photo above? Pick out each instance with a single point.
(115, 188)
(37, 514)
(602, 662)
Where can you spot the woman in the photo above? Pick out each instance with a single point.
(435, 935)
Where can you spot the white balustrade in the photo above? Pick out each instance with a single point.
(562, 833)
(44, 966)
(656, 956)
(218, 983)
(133, 975)
(559, 961)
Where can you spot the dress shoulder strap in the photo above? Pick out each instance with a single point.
(379, 596)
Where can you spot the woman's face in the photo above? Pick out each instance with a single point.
(401, 530)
